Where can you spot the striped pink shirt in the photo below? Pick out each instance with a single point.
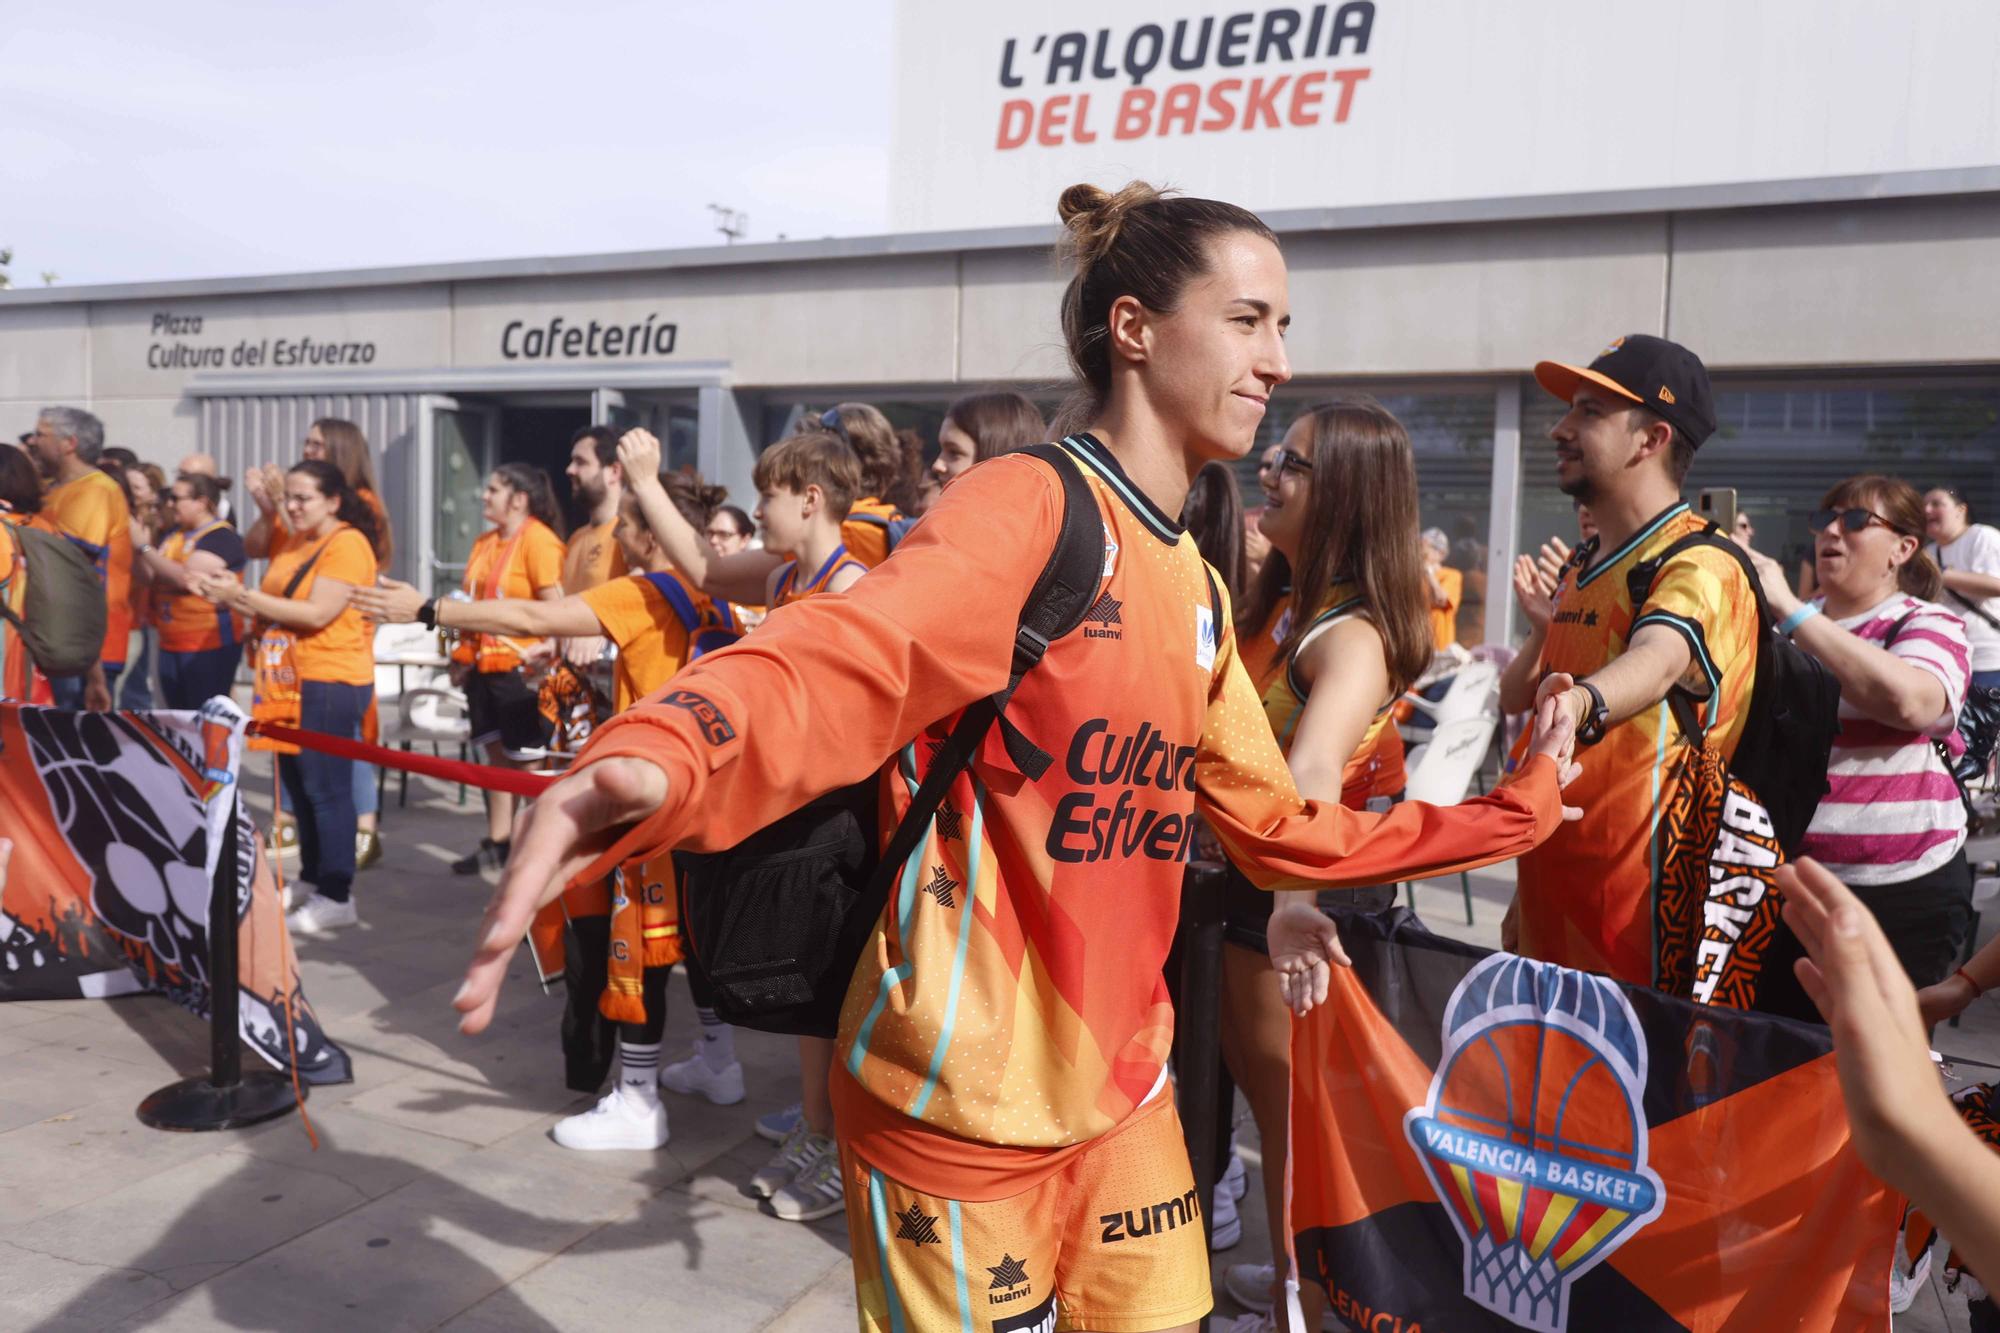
(1892, 811)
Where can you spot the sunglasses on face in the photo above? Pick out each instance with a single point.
(1851, 520)
(1292, 462)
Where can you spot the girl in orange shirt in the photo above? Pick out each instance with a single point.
(307, 596)
(520, 556)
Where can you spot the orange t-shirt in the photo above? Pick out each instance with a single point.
(1444, 619)
(520, 566)
(343, 650)
(591, 557)
(91, 512)
(188, 623)
(1009, 1006)
(652, 635)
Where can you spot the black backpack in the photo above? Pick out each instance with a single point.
(775, 925)
(1794, 711)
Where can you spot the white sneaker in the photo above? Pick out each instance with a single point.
(1903, 1289)
(692, 1077)
(322, 916)
(815, 1192)
(1249, 1285)
(620, 1119)
(1225, 1224)
(777, 1126)
(1252, 1323)
(800, 1150)
(1235, 1179)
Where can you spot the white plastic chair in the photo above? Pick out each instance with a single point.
(432, 713)
(1442, 772)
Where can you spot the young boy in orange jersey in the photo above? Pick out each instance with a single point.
(658, 622)
(805, 487)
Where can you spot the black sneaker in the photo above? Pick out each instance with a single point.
(490, 855)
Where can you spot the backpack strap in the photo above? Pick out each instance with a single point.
(1639, 584)
(1061, 595)
(676, 597)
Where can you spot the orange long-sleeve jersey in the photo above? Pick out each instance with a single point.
(1011, 1004)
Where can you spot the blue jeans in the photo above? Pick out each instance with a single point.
(138, 690)
(1990, 679)
(67, 691)
(322, 787)
(189, 680)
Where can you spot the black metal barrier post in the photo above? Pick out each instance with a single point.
(228, 1098)
(1198, 1027)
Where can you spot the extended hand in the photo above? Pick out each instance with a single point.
(1305, 945)
(389, 602)
(1777, 588)
(569, 826)
(639, 455)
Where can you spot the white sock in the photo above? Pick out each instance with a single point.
(717, 1043)
(639, 1068)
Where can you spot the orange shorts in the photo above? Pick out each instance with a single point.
(1111, 1242)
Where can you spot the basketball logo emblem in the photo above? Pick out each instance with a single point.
(1534, 1135)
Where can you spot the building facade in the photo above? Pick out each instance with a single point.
(1848, 322)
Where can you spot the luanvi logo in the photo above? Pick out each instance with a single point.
(715, 728)
(917, 1227)
(1010, 1281)
(1104, 613)
(941, 886)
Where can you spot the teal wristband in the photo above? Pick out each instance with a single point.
(1790, 624)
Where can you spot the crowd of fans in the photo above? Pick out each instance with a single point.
(1342, 602)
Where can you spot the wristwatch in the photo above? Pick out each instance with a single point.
(427, 614)
(1591, 730)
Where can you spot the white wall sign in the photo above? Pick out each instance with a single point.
(1363, 102)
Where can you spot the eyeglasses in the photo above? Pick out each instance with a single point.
(721, 534)
(1292, 462)
(1851, 520)
(830, 420)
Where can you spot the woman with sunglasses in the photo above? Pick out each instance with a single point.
(1968, 553)
(1334, 630)
(200, 642)
(1891, 824)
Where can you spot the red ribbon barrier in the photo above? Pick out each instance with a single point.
(509, 780)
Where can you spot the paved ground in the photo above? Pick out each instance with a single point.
(436, 1198)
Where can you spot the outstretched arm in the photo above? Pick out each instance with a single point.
(397, 603)
(732, 578)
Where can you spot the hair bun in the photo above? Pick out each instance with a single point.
(1094, 216)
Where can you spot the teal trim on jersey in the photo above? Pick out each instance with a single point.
(1691, 631)
(878, 1213)
(1611, 561)
(906, 892)
(958, 1264)
(973, 839)
(1093, 456)
(1653, 839)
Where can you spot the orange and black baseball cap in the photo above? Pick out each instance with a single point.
(1661, 376)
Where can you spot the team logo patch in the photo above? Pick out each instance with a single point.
(1110, 556)
(941, 887)
(1205, 637)
(715, 728)
(1534, 1135)
(1104, 614)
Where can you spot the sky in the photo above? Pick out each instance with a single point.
(196, 139)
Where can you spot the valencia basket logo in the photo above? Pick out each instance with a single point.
(1534, 1135)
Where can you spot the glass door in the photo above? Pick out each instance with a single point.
(462, 441)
